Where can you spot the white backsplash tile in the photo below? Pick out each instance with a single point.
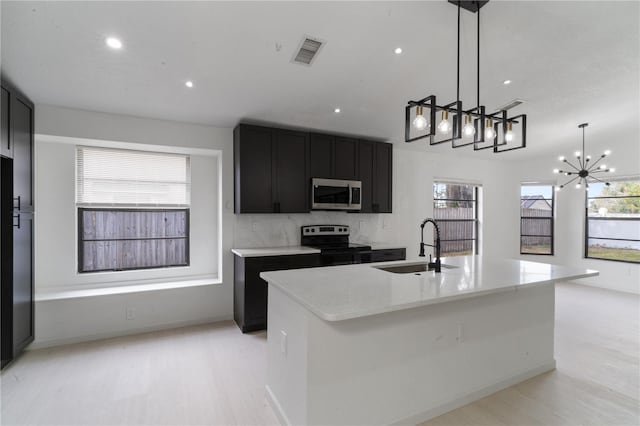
(275, 230)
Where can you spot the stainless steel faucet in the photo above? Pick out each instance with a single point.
(437, 266)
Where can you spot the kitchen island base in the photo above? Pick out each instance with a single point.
(404, 366)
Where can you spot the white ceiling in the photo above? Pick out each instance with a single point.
(571, 61)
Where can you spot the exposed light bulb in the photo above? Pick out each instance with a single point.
(588, 157)
(398, 50)
(556, 170)
(612, 170)
(603, 166)
(506, 82)
(444, 125)
(509, 135)
(561, 158)
(419, 122)
(578, 186)
(607, 152)
(189, 84)
(337, 110)
(558, 188)
(489, 132)
(468, 129)
(577, 153)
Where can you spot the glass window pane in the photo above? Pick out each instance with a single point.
(539, 191)
(535, 245)
(457, 230)
(530, 227)
(457, 248)
(625, 229)
(628, 251)
(453, 191)
(454, 209)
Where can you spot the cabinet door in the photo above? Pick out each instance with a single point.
(321, 156)
(21, 125)
(253, 169)
(292, 178)
(382, 176)
(22, 281)
(5, 142)
(365, 160)
(345, 158)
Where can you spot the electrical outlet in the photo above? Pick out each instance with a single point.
(283, 343)
(254, 226)
(130, 313)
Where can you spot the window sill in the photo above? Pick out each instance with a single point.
(49, 295)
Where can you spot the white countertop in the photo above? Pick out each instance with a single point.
(343, 292)
(273, 251)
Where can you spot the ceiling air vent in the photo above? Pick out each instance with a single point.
(307, 50)
(514, 103)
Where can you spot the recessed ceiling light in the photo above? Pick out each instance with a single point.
(114, 43)
(337, 110)
(189, 84)
(506, 82)
(398, 50)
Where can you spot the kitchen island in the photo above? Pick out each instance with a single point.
(360, 345)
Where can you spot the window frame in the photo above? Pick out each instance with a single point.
(587, 219)
(476, 216)
(551, 218)
(187, 238)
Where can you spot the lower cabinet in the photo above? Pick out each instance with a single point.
(388, 255)
(250, 291)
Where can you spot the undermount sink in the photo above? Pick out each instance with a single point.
(410, 268)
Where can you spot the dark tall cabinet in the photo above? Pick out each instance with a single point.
(375, 172)
(16, 223)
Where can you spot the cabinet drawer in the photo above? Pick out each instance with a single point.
(388, 255)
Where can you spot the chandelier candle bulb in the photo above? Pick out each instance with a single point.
(509, 135)
(490, 133)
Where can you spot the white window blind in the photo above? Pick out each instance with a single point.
(119, 177)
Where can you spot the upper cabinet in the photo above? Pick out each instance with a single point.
(270, 170)
(22, 143)
(333, 157)
(375, 172)
(273, 168)
(6, 149)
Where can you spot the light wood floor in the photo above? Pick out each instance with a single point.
(214, 375)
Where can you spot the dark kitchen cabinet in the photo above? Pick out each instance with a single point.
(16, 224)
(251, 292)
(333, 157)
(22, 142)
(273, 169)
(321, 155)
(375, 172)
(270, 170)
(6, 150)
(388, 255)
(382, 178)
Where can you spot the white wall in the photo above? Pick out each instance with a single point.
(60, 321)
(570, 202)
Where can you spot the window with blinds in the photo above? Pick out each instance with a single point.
(119, 177)
(132, 209)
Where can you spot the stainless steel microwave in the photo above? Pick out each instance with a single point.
(335, 194)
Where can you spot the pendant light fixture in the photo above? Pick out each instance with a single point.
(483, 131)
(585, 171)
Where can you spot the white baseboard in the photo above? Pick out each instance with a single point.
(41, 344)
(276, 407)
(470, 397)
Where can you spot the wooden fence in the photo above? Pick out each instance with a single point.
(129, 239)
